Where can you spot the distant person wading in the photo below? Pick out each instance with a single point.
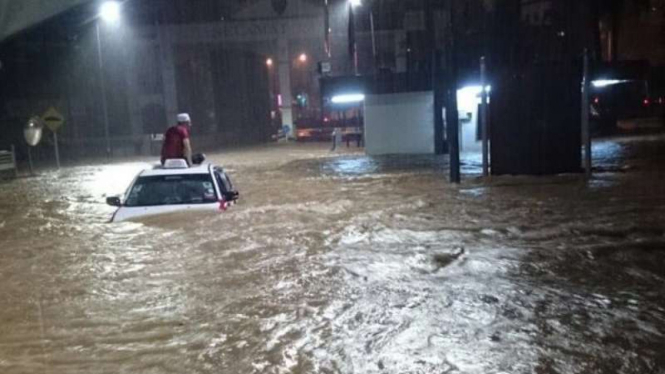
(176, 140)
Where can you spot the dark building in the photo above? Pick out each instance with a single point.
(536, 62)
(148, 78)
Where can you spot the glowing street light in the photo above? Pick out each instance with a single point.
(109, 11)
(269, 62)
(302, 58)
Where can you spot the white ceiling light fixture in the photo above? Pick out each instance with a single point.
(348, 98)
(607, 82)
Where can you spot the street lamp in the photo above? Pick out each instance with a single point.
(109, 12)
(302, 58)
(269, 62)
(355, 4)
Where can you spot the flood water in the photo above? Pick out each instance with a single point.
(341, 263)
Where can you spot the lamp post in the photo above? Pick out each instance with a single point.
(353, 45)
(109, 12)
(354, 4)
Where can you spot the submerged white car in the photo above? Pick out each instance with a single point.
(175, 187)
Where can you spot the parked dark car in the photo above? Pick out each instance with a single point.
(616, 101)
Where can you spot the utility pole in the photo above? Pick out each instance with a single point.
(353, 44)
(438, 86)
(100, 63)
(484, 118)
(437, 75)
(452, 114)
(586, 133)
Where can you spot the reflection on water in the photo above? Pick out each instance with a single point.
(608, 151)
(370, 166)
(339, 264)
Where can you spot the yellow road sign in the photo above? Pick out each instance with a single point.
(53, 119)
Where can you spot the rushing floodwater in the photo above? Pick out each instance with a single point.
(341, 264)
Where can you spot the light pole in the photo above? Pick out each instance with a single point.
(353, 44)
(353, 4)
(109, 12)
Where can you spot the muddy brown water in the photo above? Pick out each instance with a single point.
(341, 263)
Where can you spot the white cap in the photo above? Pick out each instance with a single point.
(184, 117)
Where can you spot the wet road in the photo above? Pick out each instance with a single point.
(342, 264)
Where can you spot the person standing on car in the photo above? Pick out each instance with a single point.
(176, 140)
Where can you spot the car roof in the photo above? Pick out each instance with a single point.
(158, 171)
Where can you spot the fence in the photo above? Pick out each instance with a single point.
(8, 161)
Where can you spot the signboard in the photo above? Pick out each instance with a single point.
(157, 137)
(246, 31)
(53, 119)
(537, 12)
(325, 67)
(33, 131)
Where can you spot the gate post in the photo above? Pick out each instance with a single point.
(586, 132)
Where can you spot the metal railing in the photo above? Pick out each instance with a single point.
(8, 161)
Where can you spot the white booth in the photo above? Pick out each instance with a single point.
(399, 123)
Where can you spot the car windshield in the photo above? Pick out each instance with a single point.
(172, 190)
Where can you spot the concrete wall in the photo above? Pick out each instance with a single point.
(469, 134)
(399, 123)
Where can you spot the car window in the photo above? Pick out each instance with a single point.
(172, 190)
(223, 181)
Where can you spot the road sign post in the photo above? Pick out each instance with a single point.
(57, 149)
(54, 120)
(32, 169)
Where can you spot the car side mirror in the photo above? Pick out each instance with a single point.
(231, 196)
(198, 158)
(114, 201)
